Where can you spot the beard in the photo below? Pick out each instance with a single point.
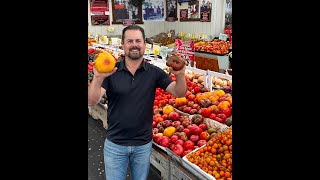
(135, 55)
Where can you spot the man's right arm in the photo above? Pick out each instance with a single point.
(95, 91)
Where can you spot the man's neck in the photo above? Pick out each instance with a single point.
(133, 64)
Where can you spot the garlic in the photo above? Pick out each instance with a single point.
(218, 82)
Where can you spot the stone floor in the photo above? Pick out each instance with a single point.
(96, 137)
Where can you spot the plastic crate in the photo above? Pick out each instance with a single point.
(195, 168)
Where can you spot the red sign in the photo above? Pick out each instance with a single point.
(185, 48)
(99, 11)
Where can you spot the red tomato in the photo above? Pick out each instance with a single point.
(191, 97)
(156, 103)
(226, 111)
(158, 92)
(197, 89)
(205, 135)
(205, 112)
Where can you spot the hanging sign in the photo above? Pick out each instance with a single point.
(185, 48)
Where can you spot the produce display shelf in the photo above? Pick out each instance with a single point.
(178, 168)
(162, 62)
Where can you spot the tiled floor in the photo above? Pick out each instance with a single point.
(96, 137)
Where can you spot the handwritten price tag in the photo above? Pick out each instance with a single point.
(204, 36)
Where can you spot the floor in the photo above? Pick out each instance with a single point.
(96, 137)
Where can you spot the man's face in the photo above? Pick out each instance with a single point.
(133, 44)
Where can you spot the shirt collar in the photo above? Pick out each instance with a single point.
(122, 65)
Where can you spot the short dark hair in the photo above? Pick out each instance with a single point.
(133, 27)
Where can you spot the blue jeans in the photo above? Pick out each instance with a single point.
(117, 158)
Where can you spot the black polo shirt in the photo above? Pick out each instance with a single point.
(130, 102)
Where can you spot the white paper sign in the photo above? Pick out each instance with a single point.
(223, 37)
(223, 62)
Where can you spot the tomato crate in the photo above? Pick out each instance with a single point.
(160, 160)
(196, 169)
(99, 111)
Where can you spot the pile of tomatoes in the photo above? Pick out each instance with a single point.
(215, 158)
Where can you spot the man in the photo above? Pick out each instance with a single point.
(130, 89)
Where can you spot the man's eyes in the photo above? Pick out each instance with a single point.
(130, 41)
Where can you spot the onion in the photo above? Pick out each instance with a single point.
(200, 79)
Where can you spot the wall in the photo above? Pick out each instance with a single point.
(215, 27)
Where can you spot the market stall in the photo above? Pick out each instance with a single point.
(193, 121)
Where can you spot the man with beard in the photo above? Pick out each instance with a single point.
(130, 89)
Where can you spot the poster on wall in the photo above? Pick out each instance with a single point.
(125, 11)
(99, 12)
(228, 16)
(205, 11)
(153, 10)
(171, 6)
(193, 12)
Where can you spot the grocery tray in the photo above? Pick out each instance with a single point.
(194, 168)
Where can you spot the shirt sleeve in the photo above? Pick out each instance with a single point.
(163, 79)
(105, 83)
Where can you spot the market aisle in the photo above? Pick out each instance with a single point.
(96, 137)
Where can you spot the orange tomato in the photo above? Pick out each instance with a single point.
(167, 109)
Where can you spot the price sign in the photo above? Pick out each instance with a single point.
(96, 37)
(223, 37)
(148, 48)
(156, 49)
(186, 49)
(204, 36)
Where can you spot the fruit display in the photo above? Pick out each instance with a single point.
(91, 55)
(115, 54)
(162, 39)
(180, 133)
(91, 41)
(197, 127)
(226, 84)
(190, 120)
(215, 157)
(214, 46)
